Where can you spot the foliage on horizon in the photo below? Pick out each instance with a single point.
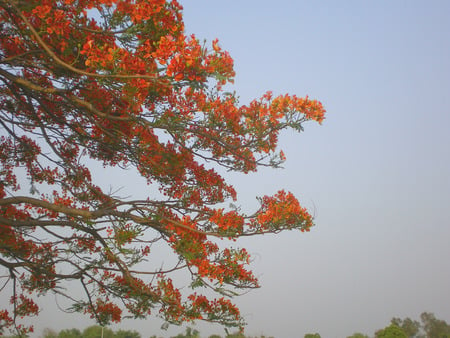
(391, 331)
(117, 82)
(429, 327)
(94, 331)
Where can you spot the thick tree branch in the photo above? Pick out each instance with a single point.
(48, 50)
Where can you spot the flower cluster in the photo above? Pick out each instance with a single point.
(118, 85)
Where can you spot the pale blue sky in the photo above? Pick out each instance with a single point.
(376, 174)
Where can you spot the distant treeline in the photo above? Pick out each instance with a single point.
(428, 327)
(96, 331)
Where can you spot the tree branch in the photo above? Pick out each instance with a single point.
(68, 66)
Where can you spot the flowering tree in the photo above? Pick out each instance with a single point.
(117, 82)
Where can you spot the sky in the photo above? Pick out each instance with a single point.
(376, 174)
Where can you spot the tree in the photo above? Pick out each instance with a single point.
(358, 335)
(96, 331)
(49, 333)
(434, 327)
(117, 84)
(312, 335)
(391, 331)
(70, 333)
(190, 333)
(127, 334)
(409, 326)
(235, 335)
